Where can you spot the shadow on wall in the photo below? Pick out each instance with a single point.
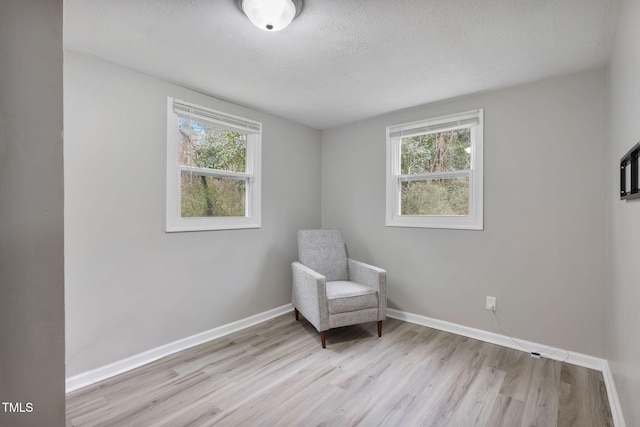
(272, 287)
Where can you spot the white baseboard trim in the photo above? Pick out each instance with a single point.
(614, 400)
(90, 377)
(579, 359)
(575, 358)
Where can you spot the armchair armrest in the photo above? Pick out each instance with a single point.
(309, 295)
(366, 274)
(373, 277)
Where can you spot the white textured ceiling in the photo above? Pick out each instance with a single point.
(342, 61)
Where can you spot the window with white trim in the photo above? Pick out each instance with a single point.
(434, 173)
(213, 169)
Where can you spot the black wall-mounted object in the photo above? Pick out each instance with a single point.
(629, 174)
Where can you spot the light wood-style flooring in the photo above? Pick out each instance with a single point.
(277, 374)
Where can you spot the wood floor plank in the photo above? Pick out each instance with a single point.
(506, 412)
(518, 368)
(474, 409)
(397, 415)
(579, 401)
(276, 374)
(542, 403)
(463, 370)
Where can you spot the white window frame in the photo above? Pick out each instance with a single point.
(174, 221)
(474, 220)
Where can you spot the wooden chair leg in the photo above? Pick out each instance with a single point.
(379, 328)
(296, 311)
(323, 339)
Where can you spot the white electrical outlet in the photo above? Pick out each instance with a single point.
(491, 303)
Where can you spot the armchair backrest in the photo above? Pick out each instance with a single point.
(324, 252)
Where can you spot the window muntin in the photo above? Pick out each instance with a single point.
(434, 172)
(213, 165)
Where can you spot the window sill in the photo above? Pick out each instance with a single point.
(445, 222)
(208, 225)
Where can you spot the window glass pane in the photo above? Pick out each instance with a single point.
(436, 152)
(435, 197)
(207, 196)
(206, 146)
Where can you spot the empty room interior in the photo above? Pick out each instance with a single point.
(481, 155)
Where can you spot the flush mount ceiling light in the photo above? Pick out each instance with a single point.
(270, 15)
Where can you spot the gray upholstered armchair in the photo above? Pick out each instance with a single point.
(331, 290)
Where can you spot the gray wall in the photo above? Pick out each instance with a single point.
(623, 343)
(31, 212)
(130, 286)
(542, 251)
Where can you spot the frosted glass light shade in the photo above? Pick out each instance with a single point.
(269, 15)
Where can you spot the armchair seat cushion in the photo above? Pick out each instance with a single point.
(344, 296)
